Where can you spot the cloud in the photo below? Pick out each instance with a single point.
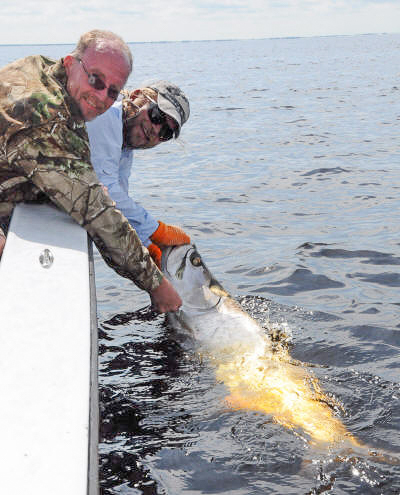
(52, 21)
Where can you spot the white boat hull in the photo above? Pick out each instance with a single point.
(48, 357)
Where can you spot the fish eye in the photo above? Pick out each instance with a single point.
(195, 259)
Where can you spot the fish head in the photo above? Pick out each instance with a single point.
(184, 268)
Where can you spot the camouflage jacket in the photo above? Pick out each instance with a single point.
(44, 152)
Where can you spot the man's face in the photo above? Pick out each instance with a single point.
(143, 132)
(109, 65)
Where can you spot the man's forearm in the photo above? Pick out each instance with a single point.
(87, 203)
(72, 185)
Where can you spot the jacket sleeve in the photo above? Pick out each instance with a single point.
(56, 159)
(112, 166)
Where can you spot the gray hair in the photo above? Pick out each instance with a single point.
(103, 40)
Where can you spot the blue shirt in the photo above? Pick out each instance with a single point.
(113, 165)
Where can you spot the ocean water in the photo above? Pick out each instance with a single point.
(286, 177)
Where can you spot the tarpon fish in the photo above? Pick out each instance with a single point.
(241, 351)
(208, 312)
(260, 376)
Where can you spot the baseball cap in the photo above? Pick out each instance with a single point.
(172, 101)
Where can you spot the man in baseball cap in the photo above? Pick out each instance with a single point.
(140, 119)
(172, 101)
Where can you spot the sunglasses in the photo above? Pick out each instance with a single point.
(97, 83)
(158, 117)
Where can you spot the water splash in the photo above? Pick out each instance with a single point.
(270, 381)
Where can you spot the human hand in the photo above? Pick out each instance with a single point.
(169, 235)
(165, 299)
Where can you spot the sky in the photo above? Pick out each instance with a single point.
(63, 21)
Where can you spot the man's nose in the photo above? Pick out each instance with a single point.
(102, 95)
(156, 128)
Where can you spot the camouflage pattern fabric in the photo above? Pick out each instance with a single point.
(44, 153)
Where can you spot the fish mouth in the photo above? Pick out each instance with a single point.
(164, 257)
(166, 252)
(213, 284)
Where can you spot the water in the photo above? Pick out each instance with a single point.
(286, 178)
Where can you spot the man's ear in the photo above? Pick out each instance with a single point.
(68, 61)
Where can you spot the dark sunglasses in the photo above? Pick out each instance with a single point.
(97, 83)
(158, 117)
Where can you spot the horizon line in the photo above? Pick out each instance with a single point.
(212, 40)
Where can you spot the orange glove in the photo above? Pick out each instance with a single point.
(155, 253)
(169, 235)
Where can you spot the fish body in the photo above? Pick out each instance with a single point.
(215, 320)
(257, 376)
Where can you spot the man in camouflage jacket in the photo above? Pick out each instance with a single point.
(44, 149)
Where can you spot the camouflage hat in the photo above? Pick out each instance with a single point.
(172, 101)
